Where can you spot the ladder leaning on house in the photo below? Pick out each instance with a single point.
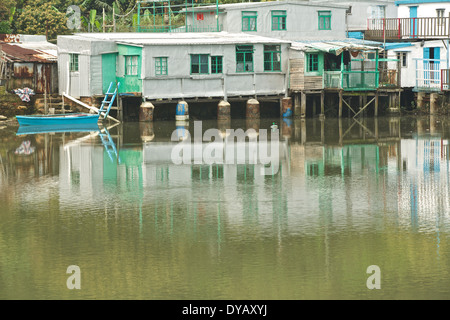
(108, 100)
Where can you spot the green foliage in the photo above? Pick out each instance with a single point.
(5, 27)
(40, 17)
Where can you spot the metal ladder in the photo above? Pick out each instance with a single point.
(108, 100)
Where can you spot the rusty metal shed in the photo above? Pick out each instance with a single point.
(29, 64)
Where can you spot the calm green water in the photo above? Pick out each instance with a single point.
(347, 195)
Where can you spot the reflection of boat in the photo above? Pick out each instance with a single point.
(58, 119)
(86, 127)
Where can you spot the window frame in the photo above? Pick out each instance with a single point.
(74, 65)
(252, 15)
(129, 68)
(216, 64)
(244, 53)
(403, 57)
(200, 64)
(323, 17)
(272, 53)
(309, 56)
(281, 20)
(161, 66)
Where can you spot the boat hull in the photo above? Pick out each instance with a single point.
(83, 127)
(65, 119)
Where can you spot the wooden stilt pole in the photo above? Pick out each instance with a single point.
(376, 104)
(322, 103)
(340, 103)
(303, 105)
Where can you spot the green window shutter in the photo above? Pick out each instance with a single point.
(278, 19)
(324, 20)
(249, 19)
(216, 64)
(161, 68)
(73, 62)
(244, 58)
(131, 65)
(272, 58)
(199, 64)
(314, 64)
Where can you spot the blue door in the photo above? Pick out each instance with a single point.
(431, 64)
(426, 65)
(413, 16)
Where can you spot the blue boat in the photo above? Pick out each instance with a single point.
(58, 119)
(36, 129)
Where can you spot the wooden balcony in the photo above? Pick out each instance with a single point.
(408, 29)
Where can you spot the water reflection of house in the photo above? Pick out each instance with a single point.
(424, 193)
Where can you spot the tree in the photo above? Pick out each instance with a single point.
(42, 17)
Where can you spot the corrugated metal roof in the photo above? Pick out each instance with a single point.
(30, 52)
(182, 38)
(335, 47)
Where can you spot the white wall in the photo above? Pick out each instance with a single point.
(408, 73)
(180, 83)
(302, 20)
(424, 9)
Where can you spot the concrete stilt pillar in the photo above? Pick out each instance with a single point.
(434, 98)
(146, 111)
(287, 107)
(433, 124)
(420, 100)
(182, 112)
(146, 130)
(252, 109)
(223, 110)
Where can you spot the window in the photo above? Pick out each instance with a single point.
(272, 58)
(312, 60)
(279, 20)
(377, 12)
(73, 62)
(161, 66)
(324, 20)
(131, 65)
(440, 14)
(244, 58)
(402, 56)
(216, 64)
(249, 20)
(199, 63)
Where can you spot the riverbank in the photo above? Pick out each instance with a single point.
(11, 105)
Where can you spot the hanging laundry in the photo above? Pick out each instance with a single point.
(24, 94)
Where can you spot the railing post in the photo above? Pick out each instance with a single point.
(399, 28)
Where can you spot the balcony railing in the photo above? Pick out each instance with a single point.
(177, 28)
(428, 74)
(351, 80)
(408, 28)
